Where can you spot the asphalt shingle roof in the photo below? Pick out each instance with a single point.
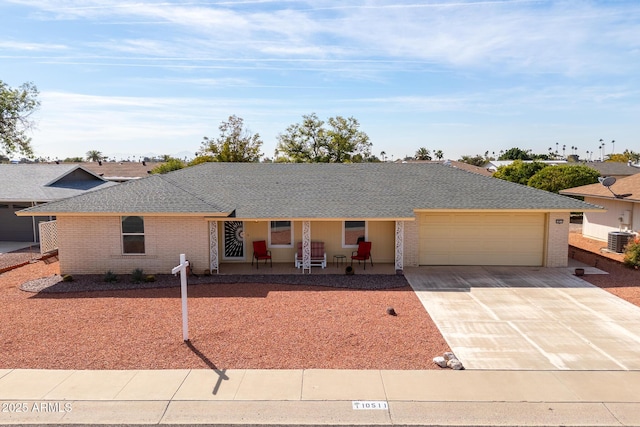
(285, 190)
(37, 182)
(613, 168)
(626, 185)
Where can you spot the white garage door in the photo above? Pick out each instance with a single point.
(482, 239)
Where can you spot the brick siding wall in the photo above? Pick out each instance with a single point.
(93, 245)
(557, 240)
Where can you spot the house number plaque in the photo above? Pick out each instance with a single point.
(370, 404)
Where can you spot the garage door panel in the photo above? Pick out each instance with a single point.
(482, 239)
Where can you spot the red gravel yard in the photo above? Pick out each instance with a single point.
(232, 326)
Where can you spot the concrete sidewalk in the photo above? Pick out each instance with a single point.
(321, 397)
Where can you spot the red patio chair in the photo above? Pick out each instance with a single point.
(260, 251)
(362, 254)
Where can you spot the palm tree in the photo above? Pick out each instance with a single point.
(94, 156)
(423, 154)
(383, 155)
(439, 154)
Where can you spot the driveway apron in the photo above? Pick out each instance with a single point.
(528, 318)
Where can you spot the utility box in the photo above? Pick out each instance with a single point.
(617, 240)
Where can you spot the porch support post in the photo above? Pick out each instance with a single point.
(399, 245)
(213, 247)
(306, 246)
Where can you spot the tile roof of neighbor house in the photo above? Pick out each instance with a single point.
(120, 171)
(37, 182)
(626, 185)
(286, 190)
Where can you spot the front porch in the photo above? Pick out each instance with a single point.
(235, 268)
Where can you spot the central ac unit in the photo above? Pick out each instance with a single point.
(618, 240)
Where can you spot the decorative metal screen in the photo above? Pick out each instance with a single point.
(399, 245)
(213, 246)
(306, 246)
(48, 236)
(233, 239)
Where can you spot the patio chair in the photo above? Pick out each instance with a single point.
(260, 252)
(363, 254)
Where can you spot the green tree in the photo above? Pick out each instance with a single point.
(169, 165)
(201, 159)
(423, 154)
(439, 154)
(73, 160)
(631, 155)
(476, 160)
(556, 178)
(94, 156)
(304, 142)
(235, 143)
(519, 171)
(515, 154)
(311, 142)
(16, 107)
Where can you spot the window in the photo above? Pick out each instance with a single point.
(352, 231)
(132, 235)
(281, 234)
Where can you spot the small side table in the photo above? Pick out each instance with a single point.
(339, 259)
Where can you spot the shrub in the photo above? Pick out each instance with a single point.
(110, 277)
(67, 278)
(632, 253)
(137, 275)
(150, 278)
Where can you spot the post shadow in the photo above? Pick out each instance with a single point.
(221, 372)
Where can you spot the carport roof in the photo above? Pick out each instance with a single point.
(286, 190)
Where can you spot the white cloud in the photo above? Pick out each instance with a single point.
(31, 47)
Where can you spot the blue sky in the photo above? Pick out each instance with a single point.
(142, 78)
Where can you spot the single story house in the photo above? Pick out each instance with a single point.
(25, 185)
(414, 214)
(622, 214)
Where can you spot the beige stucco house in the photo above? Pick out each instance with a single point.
(414, 214)
(622, 213)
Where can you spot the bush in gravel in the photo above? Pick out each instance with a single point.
(110, 277)
(67, 278)
(632, 253)
(137, 276)
(150, 278)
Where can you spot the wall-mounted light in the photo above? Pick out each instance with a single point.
(559, 221)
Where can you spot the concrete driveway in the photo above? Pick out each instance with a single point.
(529, 318)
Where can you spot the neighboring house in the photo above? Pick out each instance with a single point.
(493, 165)
(614, 169)
(120, 171)
(414, 214)
(25, 185)
(454, 164)
(621, 214)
